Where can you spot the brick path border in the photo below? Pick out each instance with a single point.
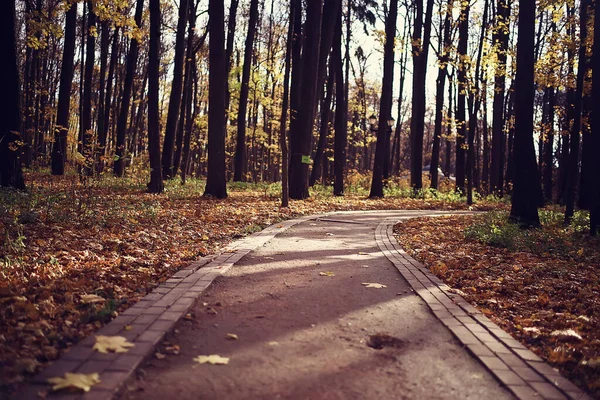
(148, 321)
(525, 374)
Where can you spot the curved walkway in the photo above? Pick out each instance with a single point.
(309, 326)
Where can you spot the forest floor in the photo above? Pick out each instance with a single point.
(541, 286)
(73, 254)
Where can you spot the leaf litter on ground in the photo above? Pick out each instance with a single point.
(545, 292)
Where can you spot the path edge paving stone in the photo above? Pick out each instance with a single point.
(521, 371)
(149, 321)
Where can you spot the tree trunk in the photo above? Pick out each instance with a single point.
(461, 119)
(104, 43)
(302, 126)
(176, 89)
(420, 50)
(323, 129)
(59, 148)
(525, 196)
(119, 165)
(10, 124)
(285, 195)
(231, 22)
(156, 181)
(239, 167)
(341, 111)
(385, 105)
(445, 49)
(86, 116)
(500, 39)
(573, 166)
(216, 182)
(595, 192)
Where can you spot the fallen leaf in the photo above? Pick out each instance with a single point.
(329, 234)
(364, 266)
(328, 273)
(231, 336)
(273, 343)
(159, 356)
(213, 359)
(362, 253)
(188, 317)
(374, 285)
(566, 334)
(77, 381)
(128, 328)
(117, 344)
(92, 298)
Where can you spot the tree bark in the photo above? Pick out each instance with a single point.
(176, 91)
(285, 195)
(119, 164)
(302, 126)
(385, 105)
(595, 142)
(216, 182)
(239, 167)
(317, 169)
(59, 148)
(461, 119)
(86, 115)
(10, 124)
(525, 196)
(420, 51)
(156, 180)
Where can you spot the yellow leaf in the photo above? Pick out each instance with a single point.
(580, 252)
(232, 336)
(77, 381)
(374, 285)
(213, 359)
(362, 253)
(117, 344)
(326, 273)
(91, 298)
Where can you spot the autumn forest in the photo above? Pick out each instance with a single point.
(196, 122)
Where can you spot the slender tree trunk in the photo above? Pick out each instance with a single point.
(176, 90)
(595, 134)
(240, 151)
(420, 51)
(231, 22)
(573, 166)
(59, 148)
(525, 195)
(10, 124)
(461, 119)
(385, 107)
(216, 182)
(86, 116)
(104, 43)
(119, 164)
(285, 195)
(341, 109)
(445, 49)
(156, 180)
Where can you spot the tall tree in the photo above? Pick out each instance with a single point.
(240, 151)
(216, 182)
(500, 42)
(573, 166)
(461, 119)
(440, 85)
(231, 23)
(526, 184)
(595, 192)
(176, 92)
(156, 180)
(86, 113)
(420, 50)
(302, 125)
(340, 140)
(10, 123)
(132, 56)
(285, 194)
(385, 105)
(59, 148)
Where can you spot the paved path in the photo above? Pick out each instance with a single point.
(302, 335)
